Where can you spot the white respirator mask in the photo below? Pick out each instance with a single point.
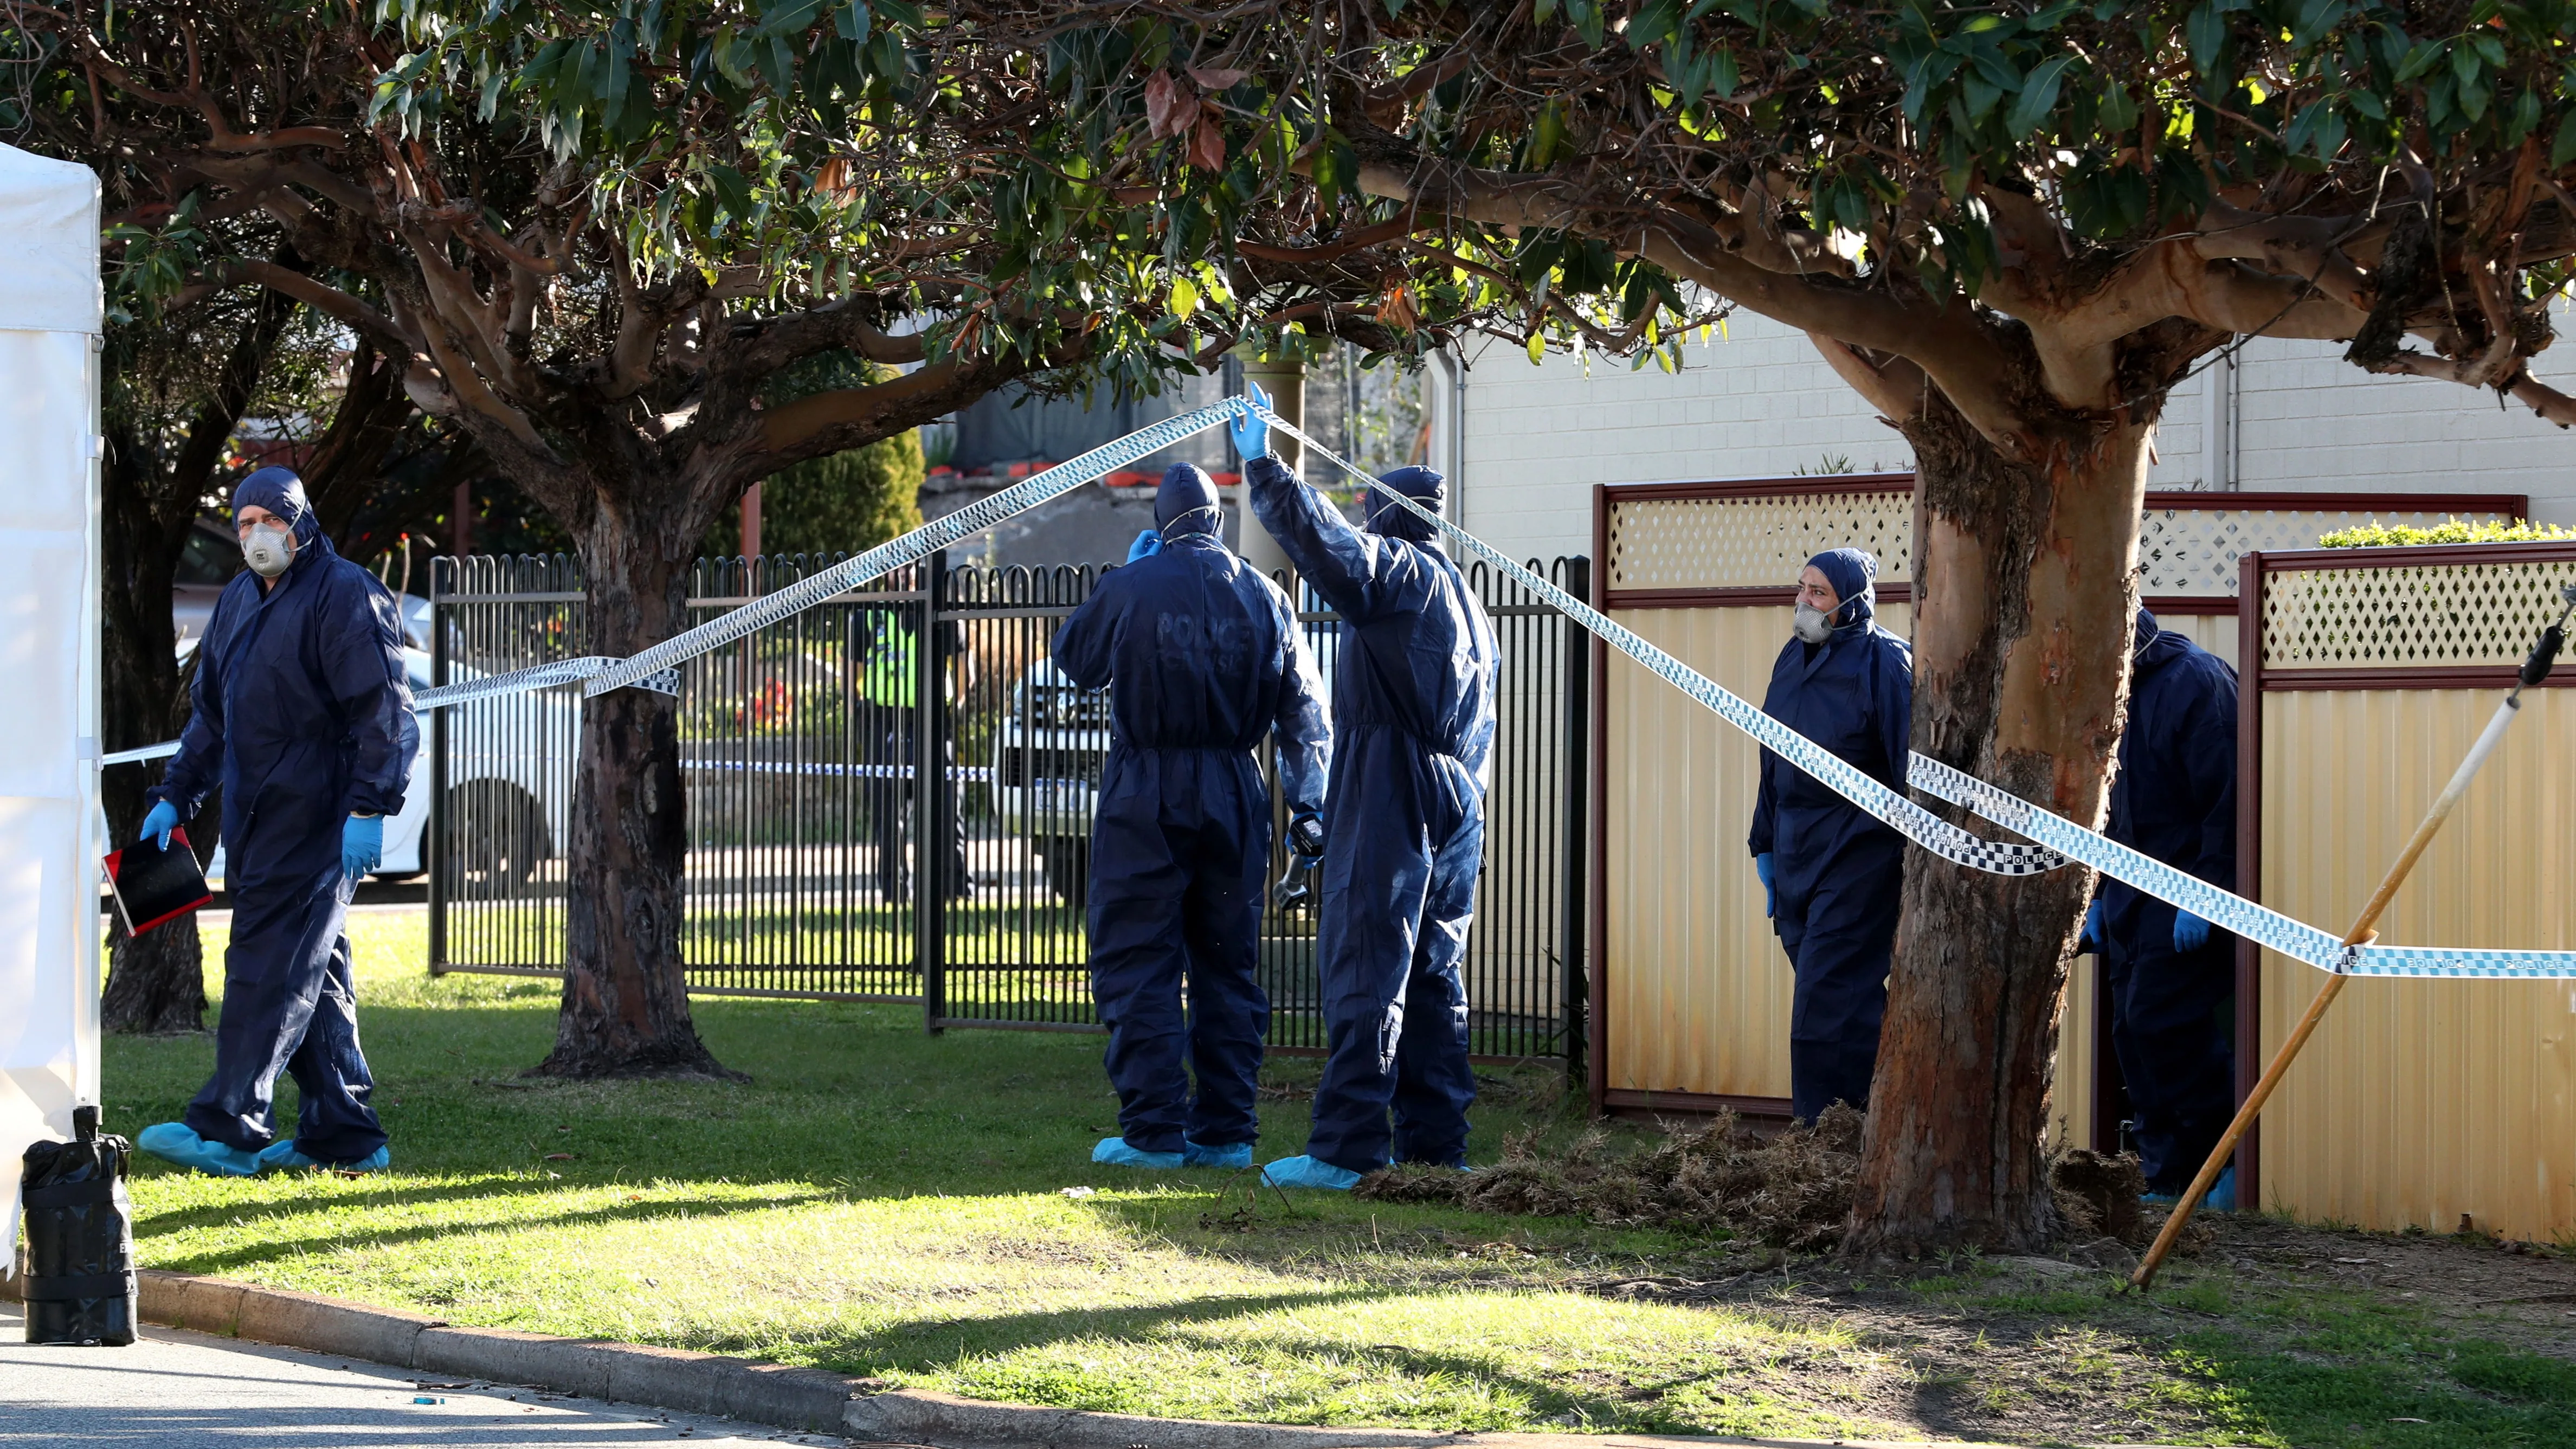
(269, 550)
(1811, 624)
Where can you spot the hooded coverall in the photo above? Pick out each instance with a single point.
(302, 712)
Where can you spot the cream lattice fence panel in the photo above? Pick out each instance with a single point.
(2192, 552)
(1758, 542)
(2419, 616)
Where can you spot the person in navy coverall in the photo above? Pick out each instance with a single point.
(1201, 657)
(302, 712)
(1413, 711)
(1833, 874)
(2171, 976)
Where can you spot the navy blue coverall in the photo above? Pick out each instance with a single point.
(2174, 798)
(1413, 707)
(1201, 657)
(1838, 871)
(302, 712)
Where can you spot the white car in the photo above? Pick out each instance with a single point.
(1046, 772)
(509, 785)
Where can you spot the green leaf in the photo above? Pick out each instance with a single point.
(853, 20)
(1540, 10)
(1655, 20)
(1723, 75)
(1538, 340)
(2119, 109)
(2525, 119)
(2563, 150)
(1185, 297)
(2038, 96)
(2419, 60)
(2205, 33)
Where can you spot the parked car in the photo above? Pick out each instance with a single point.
(207, 562)
(509, 787)
(1046, 772)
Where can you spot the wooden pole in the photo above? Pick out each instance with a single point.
(2360, 935)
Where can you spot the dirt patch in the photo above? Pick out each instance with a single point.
(1791, 1189)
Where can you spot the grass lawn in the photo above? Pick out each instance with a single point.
(922, 1210)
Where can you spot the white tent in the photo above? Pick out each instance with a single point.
(49, 949)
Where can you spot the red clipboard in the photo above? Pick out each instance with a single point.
(153, 885)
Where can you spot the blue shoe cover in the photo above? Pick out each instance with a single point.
(1231, 1154)
(2221, 1197)
(283, 1154)
(179, 1143)
(1116, 1153)
(1307, 1172)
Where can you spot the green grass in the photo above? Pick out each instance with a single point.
(922, 1210)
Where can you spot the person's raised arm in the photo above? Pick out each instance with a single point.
(1351, 569)
(1895, 701)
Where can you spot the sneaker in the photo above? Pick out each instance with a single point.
(1309, 1172)
(177, 1142)
(1231, 1154)
(1115, 1152)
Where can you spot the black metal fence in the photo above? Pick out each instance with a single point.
(821, 867)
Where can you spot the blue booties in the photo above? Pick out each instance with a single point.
(1115, 1152)
(1308, 1172)
(179, 1143)
(1231, 1154)
(2221, 1197)
(282, 1154)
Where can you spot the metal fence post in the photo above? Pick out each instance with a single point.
(441, 573)
(1573, 915)
(930, 804)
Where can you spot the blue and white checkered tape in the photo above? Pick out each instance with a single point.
(2059, 841)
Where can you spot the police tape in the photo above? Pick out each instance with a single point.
(657, 668)
(2059, 841)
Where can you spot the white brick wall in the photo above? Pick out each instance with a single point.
(1759, 403)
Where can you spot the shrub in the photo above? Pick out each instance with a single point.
(2450, 530)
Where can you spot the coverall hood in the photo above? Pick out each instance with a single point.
(280, 492)
(1186, 502)
(1852, 572)
(1423, 486)
(2147, 631)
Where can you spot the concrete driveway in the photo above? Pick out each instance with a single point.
(182, 1390)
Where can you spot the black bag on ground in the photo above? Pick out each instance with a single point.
(78, 1278)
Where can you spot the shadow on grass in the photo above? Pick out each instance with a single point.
(334, 1231)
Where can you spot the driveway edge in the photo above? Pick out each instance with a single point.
(814, 1400)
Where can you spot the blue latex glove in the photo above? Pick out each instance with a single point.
(362, 845)
(1770, 893)
(1147, 544)
(160, 822)
(2090, 943)
(1250, 434)
(2190, 931)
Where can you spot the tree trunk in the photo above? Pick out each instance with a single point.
(2023, 599)
(157, 984)
(625, 999)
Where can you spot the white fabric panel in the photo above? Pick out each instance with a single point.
(45, 418)
(49, 225)
(41, 578)
(49, 313)
(48, 1050)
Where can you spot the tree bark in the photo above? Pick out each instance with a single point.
(2024, 595)
(625, 1009)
